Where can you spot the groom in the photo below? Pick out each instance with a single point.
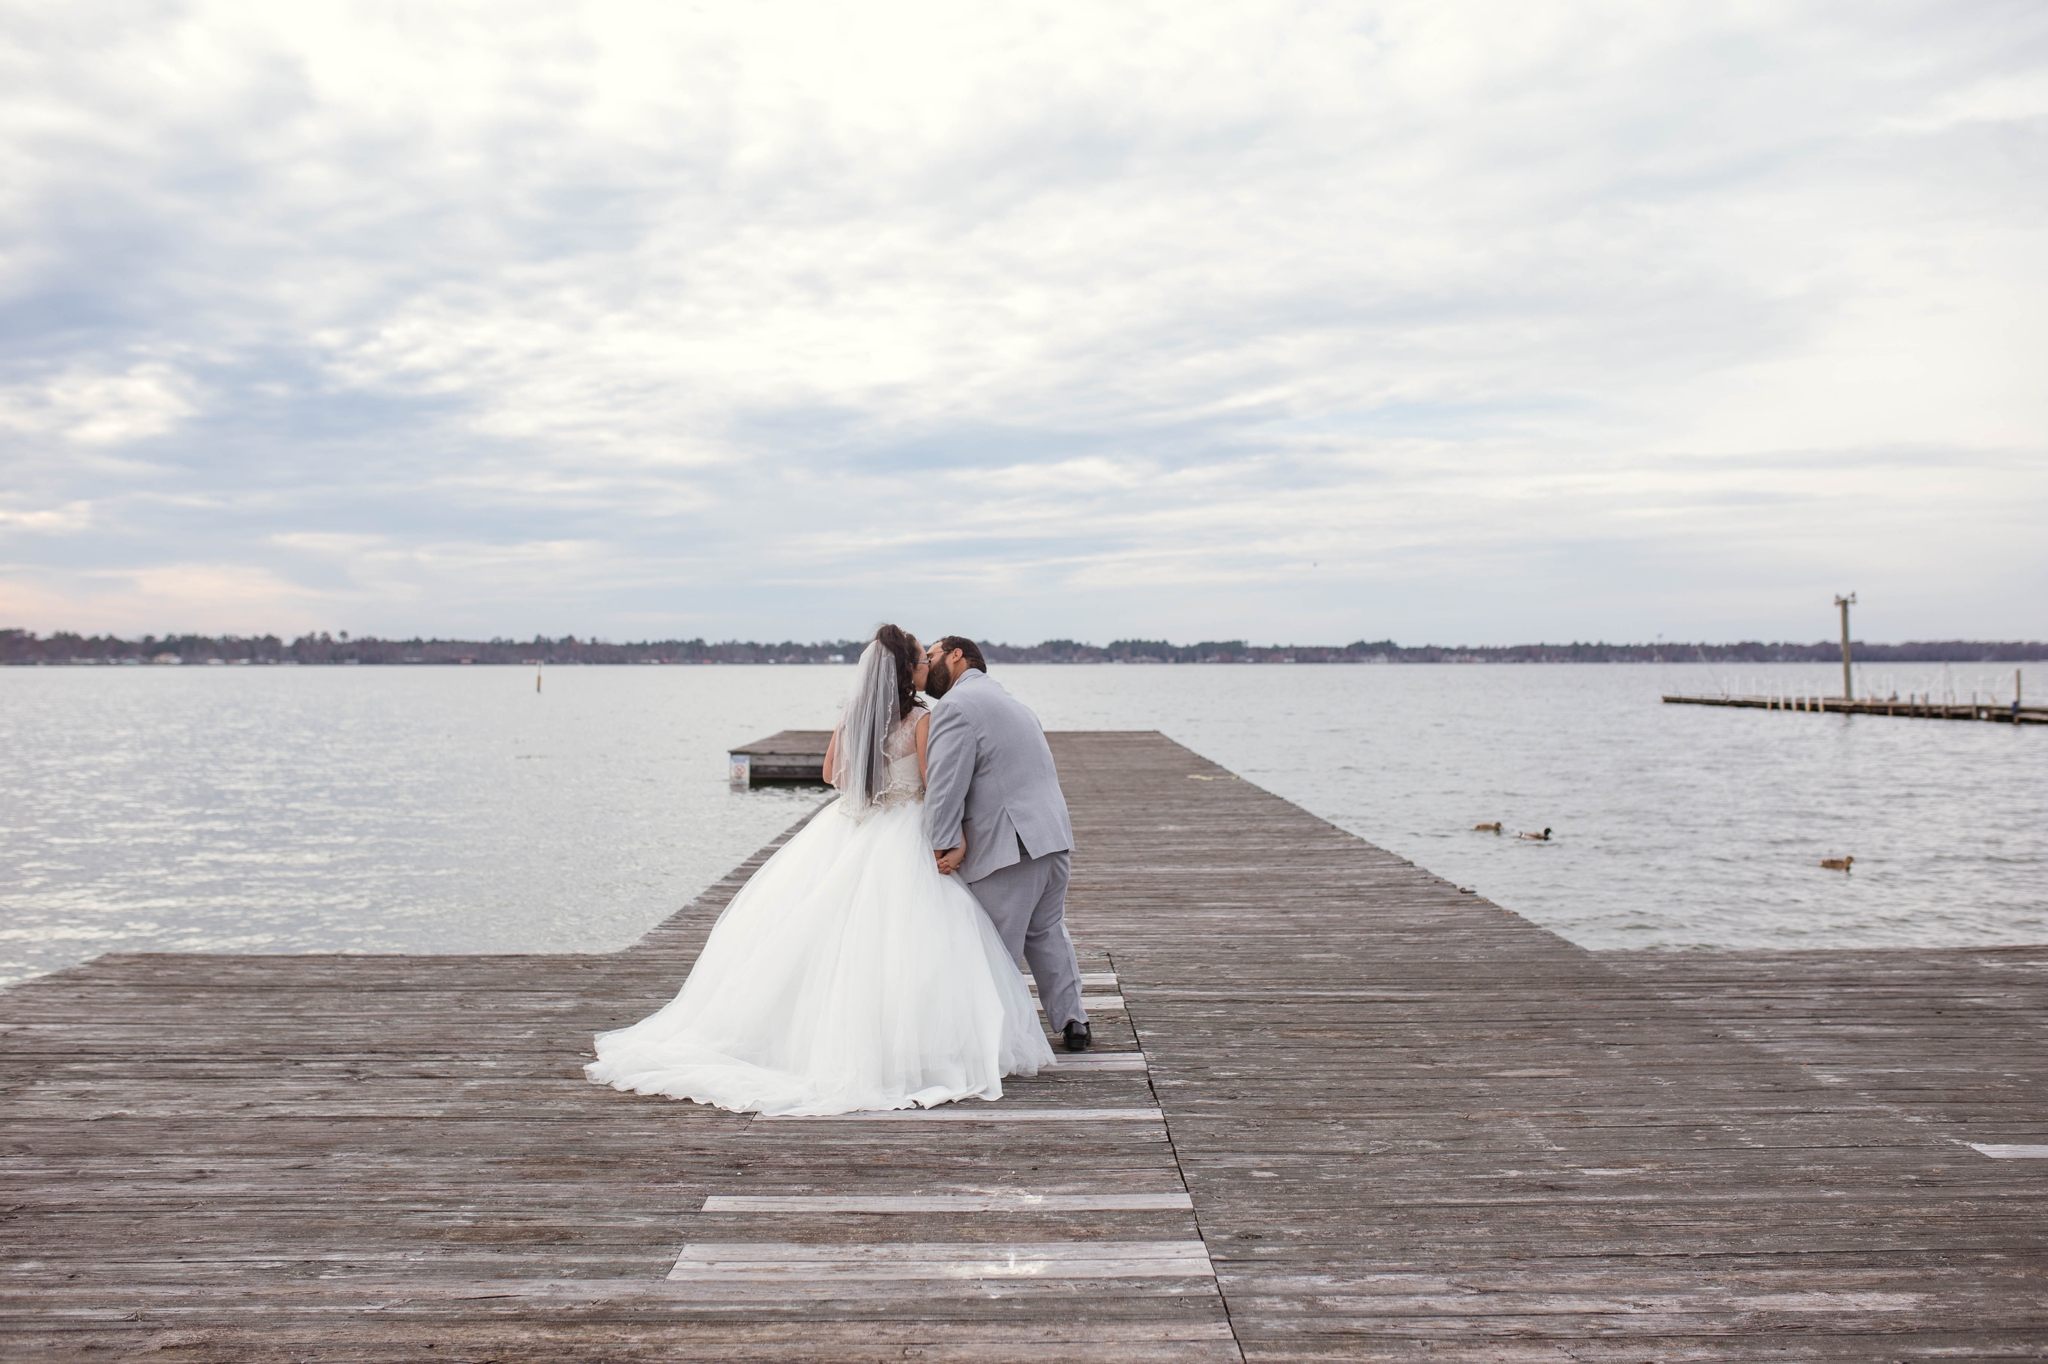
(993, 803)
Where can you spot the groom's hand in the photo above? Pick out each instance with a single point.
(950, 859)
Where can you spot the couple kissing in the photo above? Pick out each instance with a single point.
(872, 962)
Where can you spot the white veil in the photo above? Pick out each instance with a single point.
(861, 770)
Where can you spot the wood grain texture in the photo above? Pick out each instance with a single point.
(1397, 1121)
(1412, 1123)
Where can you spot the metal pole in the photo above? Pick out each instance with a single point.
(1848, 693)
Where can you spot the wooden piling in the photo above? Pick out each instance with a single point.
(1843, 604)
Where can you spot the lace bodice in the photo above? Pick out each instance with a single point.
(901, 751)
(901, 784)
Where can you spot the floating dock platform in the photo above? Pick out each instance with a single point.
(795, 757)
(1340, 1110)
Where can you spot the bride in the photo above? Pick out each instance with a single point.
(848, 973)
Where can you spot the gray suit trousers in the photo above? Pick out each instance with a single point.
(1027, 902)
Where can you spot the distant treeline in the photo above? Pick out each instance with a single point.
(22, 647)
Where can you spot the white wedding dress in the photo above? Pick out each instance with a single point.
(846, 975)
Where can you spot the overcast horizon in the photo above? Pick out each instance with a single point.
(343, 638)
(1491, 323)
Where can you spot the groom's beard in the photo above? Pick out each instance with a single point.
(938, 680)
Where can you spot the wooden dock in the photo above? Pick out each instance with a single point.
(1343, 1111)
(792, 757)
(1910, 707)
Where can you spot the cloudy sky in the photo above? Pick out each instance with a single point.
(1450, 322)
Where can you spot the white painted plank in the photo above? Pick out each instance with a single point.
(1099, 1060)
(1098, 1004)
(770, 1261)
(1998, 1151)
(953, 1113)
(1001, 1201)
(1088, 978)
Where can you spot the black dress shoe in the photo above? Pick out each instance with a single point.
(1077, 1037)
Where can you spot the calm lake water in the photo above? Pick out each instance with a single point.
(456, 810)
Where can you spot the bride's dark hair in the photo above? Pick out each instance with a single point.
(903, 648)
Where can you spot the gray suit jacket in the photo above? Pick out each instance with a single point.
(989, 776)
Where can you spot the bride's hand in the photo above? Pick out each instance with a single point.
(950, 859)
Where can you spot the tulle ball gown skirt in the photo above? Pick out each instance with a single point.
(846, 975)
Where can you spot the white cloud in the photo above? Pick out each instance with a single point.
(2019, 98)
(99, 408)
(69, 519)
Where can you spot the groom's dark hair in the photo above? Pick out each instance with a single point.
(967, 647)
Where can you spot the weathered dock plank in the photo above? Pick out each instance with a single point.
(1379, 1118)
(1411, 1121)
